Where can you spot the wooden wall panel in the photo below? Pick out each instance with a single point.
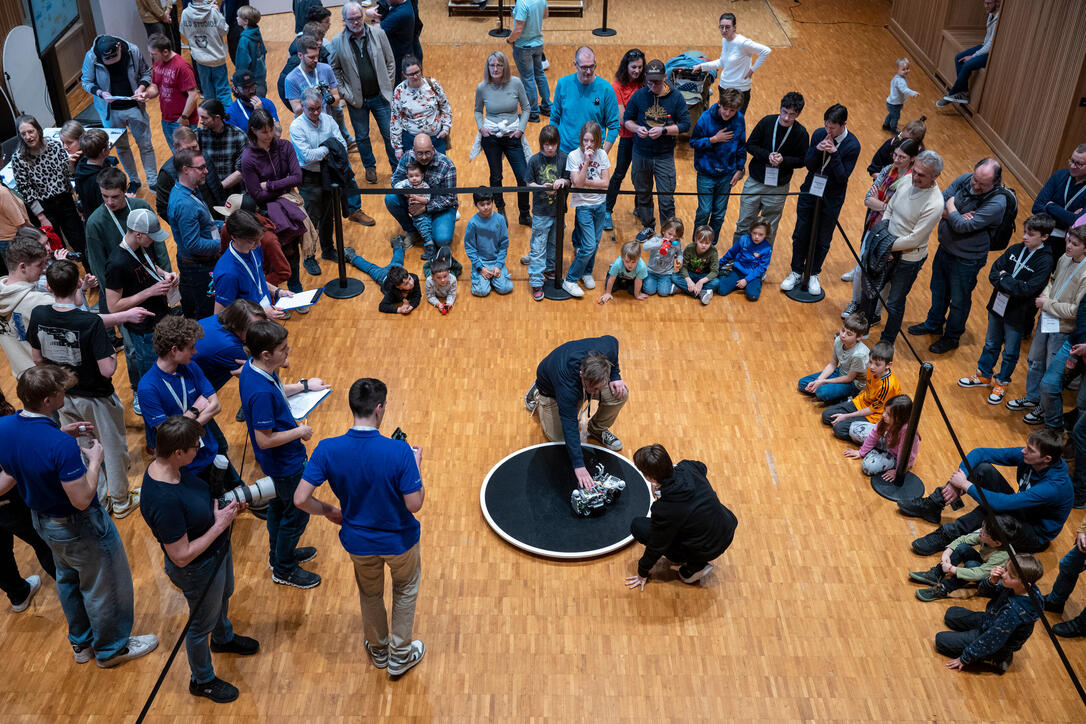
(920, 21)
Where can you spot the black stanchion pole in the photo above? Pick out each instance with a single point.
(345, 287)
(906, 484)
(554, 290)
(501, 31)
(603, 31)
(799, 292)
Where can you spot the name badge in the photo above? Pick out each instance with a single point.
(999, 306)
(771, 173)
(818, 185)
(1058, 233)
(264, 301)
(1049, 324)
(173, 296)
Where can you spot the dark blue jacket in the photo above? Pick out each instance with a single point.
(750, 259)
(838, 165)
(719, 160)
(1045, 504)
(1057, 191)
(648, 109)
(559, 376)
(1007, 623)
(399, 26)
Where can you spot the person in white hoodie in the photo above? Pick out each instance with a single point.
(205, 28)
(739, 58)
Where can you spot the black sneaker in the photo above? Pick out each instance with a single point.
(298, 577)
(525, 219)
(301, 555)
(924, 508)
(932, 543)
(133, 187)
(1051, 606)
(645, 234)
(931, 594)
(919, 329)
(240, 416)
(427, 254)
(312, 268)
(117, 342)
(329, 255)
(926, 577)
(217, 690)
(240, 645)
(943, 345)
(1070, 629)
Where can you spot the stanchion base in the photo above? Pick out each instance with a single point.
(604, 32)
(353, 288)
(910, 487)
(800, 294)
(500, 33)
(555, 293)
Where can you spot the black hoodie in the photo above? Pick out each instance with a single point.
(688, 514)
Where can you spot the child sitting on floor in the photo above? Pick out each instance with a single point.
(749, 259)
(486, 243)
(882, 447)
(969, 559)
(627, 271)
(991, 637)
(854, 419)
(843, 376)
(665, 255)
(441, 283)
(698, 275)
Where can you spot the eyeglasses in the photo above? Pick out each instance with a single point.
(416, 74)
(201, 167)
(353, 19)
(587, 67)
(1077, 164)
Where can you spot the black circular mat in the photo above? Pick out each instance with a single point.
(526, 500)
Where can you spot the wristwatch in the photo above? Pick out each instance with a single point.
(305, 384)
(193, 410)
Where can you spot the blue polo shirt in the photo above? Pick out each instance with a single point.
(238, 113)
(40, 457)
(370, 474)
(163, 394)
(240, 276)
(217, 352)
(266, 408)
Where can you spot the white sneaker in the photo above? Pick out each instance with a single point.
(35, 584)
(136, 404)
(706, 296)
(588, 281)
(813, 287)
(137, 646)
(849, 275)
(573, 288)
(790, 281)
(120, 509)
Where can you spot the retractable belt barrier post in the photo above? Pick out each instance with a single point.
(603, 31)
(345, 287)
(799, 292)
(501, 31)
(905, 483)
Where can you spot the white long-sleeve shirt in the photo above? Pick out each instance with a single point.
(735, 61)
(989, 34)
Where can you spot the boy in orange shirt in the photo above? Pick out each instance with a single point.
(854, 419)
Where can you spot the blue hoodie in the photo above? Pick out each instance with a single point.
(719, 160)
(750, 259)
(1044, 504)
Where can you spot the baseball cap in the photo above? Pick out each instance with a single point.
(655, 70)
(107, 46)
(243, 78)
(233, 203)
(145, 222)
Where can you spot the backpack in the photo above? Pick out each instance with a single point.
(1000, 238)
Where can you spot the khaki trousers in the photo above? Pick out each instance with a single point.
(606, 413)
(107, 415)
(369, 574)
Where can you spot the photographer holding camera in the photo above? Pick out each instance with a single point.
(194, 534)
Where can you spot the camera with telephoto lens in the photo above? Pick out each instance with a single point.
(254, 495)
(326, 94)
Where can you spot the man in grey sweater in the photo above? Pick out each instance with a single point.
(973, 210)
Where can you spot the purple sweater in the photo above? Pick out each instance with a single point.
(278, 166)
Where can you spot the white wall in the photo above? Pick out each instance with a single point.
(120, 18)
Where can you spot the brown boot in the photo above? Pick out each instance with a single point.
(360, 217)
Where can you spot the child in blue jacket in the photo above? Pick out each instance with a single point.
(251, 48)
(720, 155)
(749, 258)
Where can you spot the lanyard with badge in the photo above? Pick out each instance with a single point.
(173, 294)
(999, 305)
(818, 180)
(264, 301)
(1060, 233)
(1050, 324)
(772, 172)
(197, 199)
(274, 380)
(183, 400)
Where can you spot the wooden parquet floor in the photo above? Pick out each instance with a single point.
(808, 616)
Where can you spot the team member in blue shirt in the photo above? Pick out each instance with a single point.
(220, 352)
(277, 444)
(239, 273)
(94, 582)
(379, 487)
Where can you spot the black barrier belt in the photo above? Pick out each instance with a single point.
(983, 500)
(450, 190)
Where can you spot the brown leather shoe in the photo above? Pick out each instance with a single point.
(371, 175)
(360, 217)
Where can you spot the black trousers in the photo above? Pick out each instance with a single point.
(805, 222)
(318, 204)
(64, 216)
(965, 626)
(15, 521)
(640, 528)
(987, 477)
(195, 288)
(619, 171)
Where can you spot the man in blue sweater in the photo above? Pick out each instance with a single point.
(583, 96)
(196, 234)
(719, 141)
(1042, 503)
(1064, 198)
(830, 159)
(656, 114)
(567, 379)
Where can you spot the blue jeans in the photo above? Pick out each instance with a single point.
(587, 230)
(442, 222)
(494, 147)
(901, 282)
(832, 393)
(541, 249)
(286, 523)
(966, 68)
(529, 62)
(893, 115)
(659, 284)
(139, 353)
(168, 127)
(378, 273)
(408, 142)
(712, 202)
(481, 287)
(999, 335)
(94, 582)
(209, 618)
(1049, 377)
(214, 83)
(1071, 566)
(360, 122)
(953, 279)
(726, 285)
(680, 283)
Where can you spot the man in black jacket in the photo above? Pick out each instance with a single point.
(689, 524)
(566, 379)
